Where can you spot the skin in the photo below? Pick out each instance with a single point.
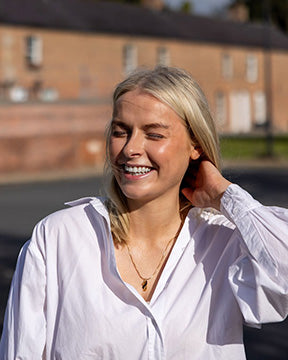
(207, 188)
(148, 133)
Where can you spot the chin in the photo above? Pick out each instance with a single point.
(136, 196)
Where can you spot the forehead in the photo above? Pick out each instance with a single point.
(137, 104)
(139, 100)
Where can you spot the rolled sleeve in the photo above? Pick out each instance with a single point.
(259, 276)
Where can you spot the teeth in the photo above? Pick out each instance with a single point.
(137, 170)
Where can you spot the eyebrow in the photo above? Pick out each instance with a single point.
(156, 125)
(118, 123)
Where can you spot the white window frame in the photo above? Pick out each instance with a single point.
(240, 111)
(221, 108)
(227, 66)
(163, 56)
(34, 50)
(260, 108)
(130, 58)
(251, 68)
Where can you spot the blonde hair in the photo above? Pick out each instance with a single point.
(176, 88)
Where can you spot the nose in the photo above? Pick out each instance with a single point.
(134, 146)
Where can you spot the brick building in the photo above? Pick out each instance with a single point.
(60, 60)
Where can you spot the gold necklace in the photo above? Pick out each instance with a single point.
(144, 283)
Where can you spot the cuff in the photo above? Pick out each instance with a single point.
(236, 202)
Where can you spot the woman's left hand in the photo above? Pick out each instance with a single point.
(207, 187)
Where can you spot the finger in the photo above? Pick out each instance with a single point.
(188, 193)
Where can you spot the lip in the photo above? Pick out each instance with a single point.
(123, 165)
(133, 176)
(136, 165)
(129, 176)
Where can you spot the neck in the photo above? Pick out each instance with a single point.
(154, 222)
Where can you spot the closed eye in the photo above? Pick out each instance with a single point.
(155, 136)
(119, 133)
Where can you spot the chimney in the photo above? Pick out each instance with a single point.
(238, 12)
(153, 4)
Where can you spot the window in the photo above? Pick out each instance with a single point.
(240, 112)
(221, 111)
(129, 58)
(251, 68)
(34, 51)
(7, 57)
(163, 56)
(259, 102)
(227, 66)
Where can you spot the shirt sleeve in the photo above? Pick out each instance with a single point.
(259, 276)
(24, 330)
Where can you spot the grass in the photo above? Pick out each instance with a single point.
(253, 147)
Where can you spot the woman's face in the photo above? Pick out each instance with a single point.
(150, 148)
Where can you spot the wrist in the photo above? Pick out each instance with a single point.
(218, 192)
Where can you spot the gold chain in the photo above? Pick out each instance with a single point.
(145, 279)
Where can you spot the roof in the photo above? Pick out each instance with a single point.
(117, 18)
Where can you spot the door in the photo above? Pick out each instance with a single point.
(240, 112)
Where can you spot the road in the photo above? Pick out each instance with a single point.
(23, 205)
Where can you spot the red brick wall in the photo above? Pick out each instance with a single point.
(51, 137)
(87, 66)
(84, 68)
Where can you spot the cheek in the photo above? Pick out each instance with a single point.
(159, 150)
(115, 147)
(174, 152)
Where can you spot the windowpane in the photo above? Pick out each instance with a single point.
(221, 108)
(227, 66)
(259, 100)
(129, 58)
(163, 56)
(34, 50)
(251, 68)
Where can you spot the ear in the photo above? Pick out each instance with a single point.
(196, 152)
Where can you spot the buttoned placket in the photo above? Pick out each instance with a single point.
(154, 309)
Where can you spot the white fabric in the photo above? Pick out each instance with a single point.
(68, 302)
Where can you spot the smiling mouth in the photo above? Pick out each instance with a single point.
(136, 170)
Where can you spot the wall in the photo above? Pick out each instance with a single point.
(83, 68)
(52, 137)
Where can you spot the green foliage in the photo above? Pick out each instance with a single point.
(262, 10)
(252, 147)
(186, 7)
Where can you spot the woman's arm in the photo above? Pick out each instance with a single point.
(259, 277)
(24, 331)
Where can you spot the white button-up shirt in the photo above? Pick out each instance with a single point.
(68, 301)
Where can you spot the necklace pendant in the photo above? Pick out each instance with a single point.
(144, 285)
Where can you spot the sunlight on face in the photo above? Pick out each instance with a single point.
(149, 146)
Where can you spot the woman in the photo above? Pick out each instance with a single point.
(170, 264)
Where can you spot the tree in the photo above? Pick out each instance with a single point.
(275, 10)
(186, 7)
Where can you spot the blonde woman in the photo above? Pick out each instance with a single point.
(168, 266)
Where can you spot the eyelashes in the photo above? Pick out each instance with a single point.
(123, 134)
(119, 133)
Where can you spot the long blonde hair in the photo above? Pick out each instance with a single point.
(176, 88)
